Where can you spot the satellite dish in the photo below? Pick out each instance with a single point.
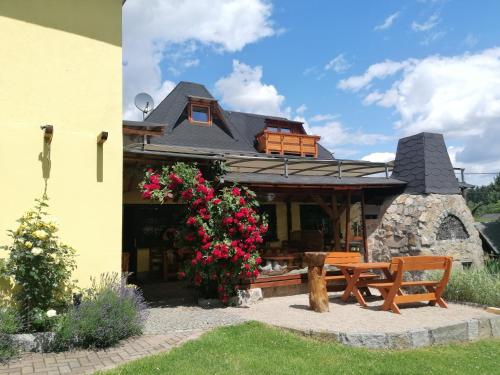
(144, 102)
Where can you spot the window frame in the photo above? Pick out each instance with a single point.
(197, 122)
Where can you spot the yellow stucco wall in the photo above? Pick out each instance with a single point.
(61, 65)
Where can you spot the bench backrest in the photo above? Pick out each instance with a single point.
(400, 265)
(342, 257)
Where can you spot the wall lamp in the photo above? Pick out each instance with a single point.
(102, 137)
(48, 131)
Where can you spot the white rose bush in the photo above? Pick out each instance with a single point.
(40, 266)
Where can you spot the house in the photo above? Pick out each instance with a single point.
(63, 135)
(61, 116)
(314, 201)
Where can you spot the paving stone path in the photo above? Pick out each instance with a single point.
(87, 361)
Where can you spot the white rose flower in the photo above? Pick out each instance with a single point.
(51, 313)
(40, 234)
(36, 251)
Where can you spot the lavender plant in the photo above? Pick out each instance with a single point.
(110, 311)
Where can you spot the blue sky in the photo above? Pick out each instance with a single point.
(361, 74)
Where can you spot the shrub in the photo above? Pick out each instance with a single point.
(109, 312)
(476, 285)
(7, 348)
(9, 324)
(40, 265)
(222, 227)
(9, 320)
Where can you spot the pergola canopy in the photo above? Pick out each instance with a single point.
(255, 163)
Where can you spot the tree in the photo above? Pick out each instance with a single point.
(478, 197)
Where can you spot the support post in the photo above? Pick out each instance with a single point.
(363, 223)
(347, 221)
(335, 222)
(339, 167)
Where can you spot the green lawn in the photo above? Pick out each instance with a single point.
(253, 348)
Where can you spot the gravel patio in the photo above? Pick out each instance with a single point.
(170, 324)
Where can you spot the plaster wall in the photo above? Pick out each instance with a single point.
(61, 64)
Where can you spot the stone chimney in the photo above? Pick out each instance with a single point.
(423, 162)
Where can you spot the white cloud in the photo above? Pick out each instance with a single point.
(301, 109)
(323, 117)
(155, 30)
(243, 90)
(338, 64)
(458, 96)
(380, 157)
(387, 22)
(471, 40)
(334, 133)
(380, 70)
(427, 25)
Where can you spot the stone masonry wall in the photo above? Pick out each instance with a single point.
(408, 225)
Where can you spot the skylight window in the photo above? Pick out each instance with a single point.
(200, 114)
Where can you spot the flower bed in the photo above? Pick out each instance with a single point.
(42, 313)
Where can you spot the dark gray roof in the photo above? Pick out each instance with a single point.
(276, 179)
(422, 161)
(490, 234)
(235, 131)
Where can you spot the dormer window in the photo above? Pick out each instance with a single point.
(200, 114)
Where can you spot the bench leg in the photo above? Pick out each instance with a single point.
(389, 303)
(439, 300)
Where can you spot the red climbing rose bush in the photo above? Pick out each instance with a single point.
(222, 227)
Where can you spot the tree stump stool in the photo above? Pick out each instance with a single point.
(318, 297)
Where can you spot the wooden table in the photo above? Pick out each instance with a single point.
(318, 297)
(352, 272)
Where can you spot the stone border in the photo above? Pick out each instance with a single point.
(471, 330)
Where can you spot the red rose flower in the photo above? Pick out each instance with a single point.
(216, 201)
(181, 275)
(256, 272)
(236, 191)
(191, 221)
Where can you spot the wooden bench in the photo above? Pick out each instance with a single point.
(341, 257)
(392, 290)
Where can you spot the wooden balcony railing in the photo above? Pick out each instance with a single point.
(287, 143)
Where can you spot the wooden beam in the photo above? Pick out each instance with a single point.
(336, 222)
(131, 131)
(323, 205)
(363, 223)
(347, 221)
